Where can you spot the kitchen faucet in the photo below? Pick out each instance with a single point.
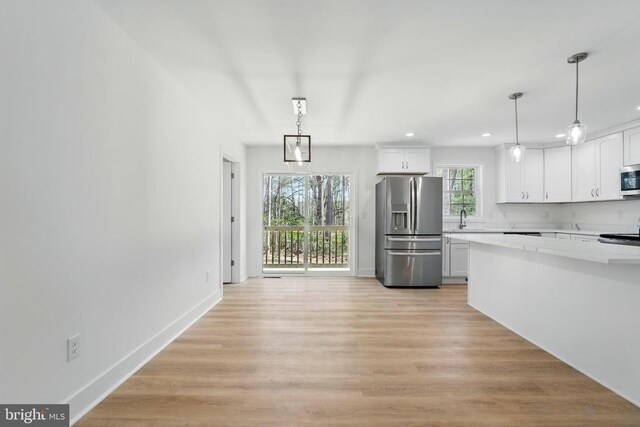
(462, 224)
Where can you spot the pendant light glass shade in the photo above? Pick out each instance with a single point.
(517, 152)
(576, 133)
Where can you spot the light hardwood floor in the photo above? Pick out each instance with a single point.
(347, 351)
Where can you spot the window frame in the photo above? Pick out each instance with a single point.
(478, 190)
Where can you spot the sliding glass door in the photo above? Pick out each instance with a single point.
(306, 223)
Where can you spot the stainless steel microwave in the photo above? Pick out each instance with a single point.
(630, 180)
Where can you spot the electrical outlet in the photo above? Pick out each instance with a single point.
(73, 347)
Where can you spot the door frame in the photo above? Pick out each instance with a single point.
(236, 237)
(353, 231)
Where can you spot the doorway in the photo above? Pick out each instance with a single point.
(229, 222)
(307, 224)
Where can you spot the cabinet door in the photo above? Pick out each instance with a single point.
(459, 262)
(417, 160)
(584, 238)
(391, 160)
(610, 158)
(583, 172)
(557, 174)
(632, 146)
(513, 179)
(445, 257)
(533, 176)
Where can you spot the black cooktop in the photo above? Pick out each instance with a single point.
(621, 239)
(622, 236)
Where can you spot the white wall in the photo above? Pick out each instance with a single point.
(495, 215)
(618, 216)
(110, 180)
(361, 160)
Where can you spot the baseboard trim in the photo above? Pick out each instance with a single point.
(454, 280)
(366, 272)
(104, 384)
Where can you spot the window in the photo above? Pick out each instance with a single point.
(460, 190)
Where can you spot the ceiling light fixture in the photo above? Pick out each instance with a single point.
(517, 151)
(486, 134)
(410, 134)
(297, 148)
(560, 135)
(576, 132)
(638, 108)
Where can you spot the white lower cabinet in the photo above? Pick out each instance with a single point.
(459, 264)
(584, 238)
(455, 258)
(445, 256)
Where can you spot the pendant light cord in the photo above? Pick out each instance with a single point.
(577, 62)
(516, 102)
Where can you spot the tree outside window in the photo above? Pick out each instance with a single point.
(459, 190)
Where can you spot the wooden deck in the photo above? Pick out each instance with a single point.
(347, 351)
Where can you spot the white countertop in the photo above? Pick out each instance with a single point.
(586, 251)
(524, 230)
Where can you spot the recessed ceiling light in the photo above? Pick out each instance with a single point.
(560, 135)
(410, 134)
(638, 108)
(486, 134)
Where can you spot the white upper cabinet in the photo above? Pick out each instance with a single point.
(404, 160)
(533, 176)
(557, 174)
(390, 160)
(632, 147)
(583, 171)
(596, 169)
(610, 152)
(417, 160)
(520, 182)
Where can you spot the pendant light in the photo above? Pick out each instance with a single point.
(517, 151)
(297, 148)
(576, 132)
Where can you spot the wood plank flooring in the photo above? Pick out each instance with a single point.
(349, 352)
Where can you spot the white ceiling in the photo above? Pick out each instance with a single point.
(374, 70)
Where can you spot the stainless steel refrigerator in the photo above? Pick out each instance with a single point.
(409, 231)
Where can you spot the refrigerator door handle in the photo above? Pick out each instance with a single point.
(409, 239)
(411, 198)
(415, 204)
(431, 253)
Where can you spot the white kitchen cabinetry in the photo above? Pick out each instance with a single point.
(557, 174)
(445, 256)
(632, 146)
(404, 160)
(455, 258)
(584, 238)
(459, 259)
(595, 171)
(520, 182)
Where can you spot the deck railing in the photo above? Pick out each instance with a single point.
(283, 247)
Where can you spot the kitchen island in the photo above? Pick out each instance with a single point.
(576, 300)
